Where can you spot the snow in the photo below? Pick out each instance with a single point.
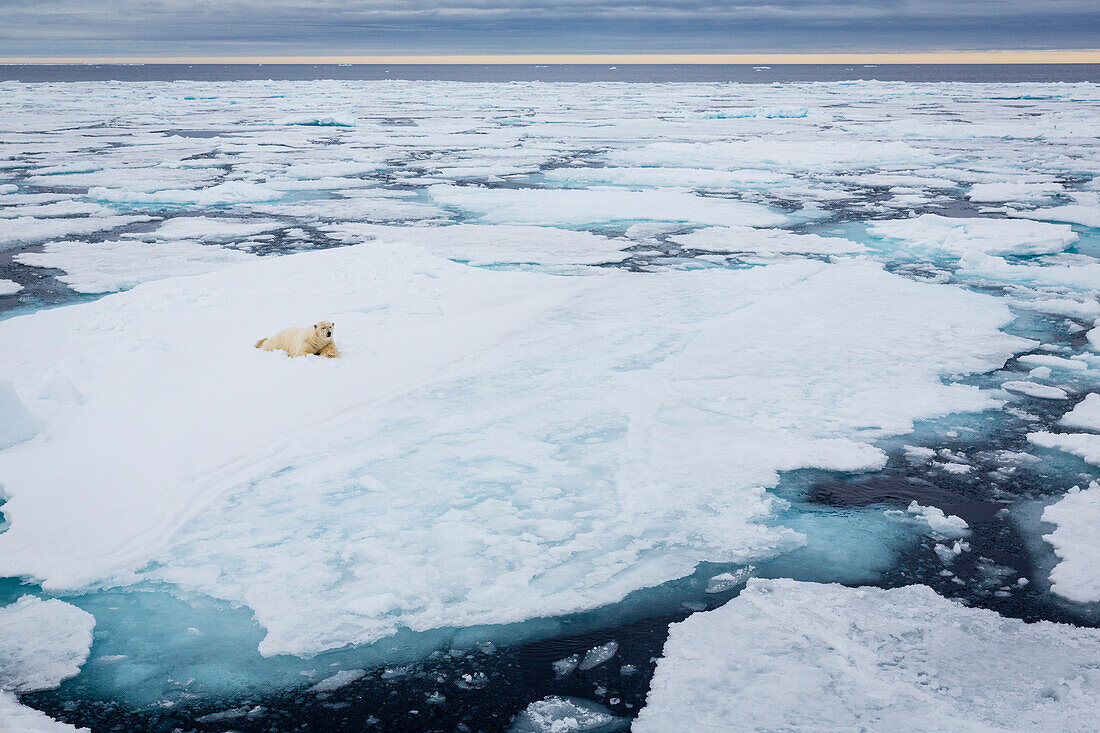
(774, 153)
(9, 287)
(1086, 211)
(474, 458)
(103, 267)
(961, 236)
(786, 655)
(1012, 191)
(1053, 362)
(694, 178)
(17, 424)
(566, 207)
(29, 230)
(1083, 445)
(1076, 542)
(566, 715)
(1031, 389)
(232, 192)
(42, 643)
(1085, 415)
(16, 718)
(211, 229)
(765, 242)
(482, 245)
(1078, 276)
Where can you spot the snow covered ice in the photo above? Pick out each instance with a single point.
(594, 336)
(789, 655)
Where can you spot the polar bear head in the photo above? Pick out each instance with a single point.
(322, 332)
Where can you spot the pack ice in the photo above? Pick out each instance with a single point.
(787, 655)
(476, 457)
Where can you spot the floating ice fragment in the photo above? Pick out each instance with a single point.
(946, 526)
(101, 267)
(727, 581)
(1031, 389)
(231, 192)
(565, 667)
(42, 643)
(996, 192)
(967, 235)
(341, 679)
(567, 207)
(1085, 415)
(566, 715)
(1054, 362)
(1076, 542)
(1083, 445)
(765, 241)
(9, 287)
(596, 656)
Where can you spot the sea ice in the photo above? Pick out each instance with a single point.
(103, 267)
(1009, 191)
(965, 235)
(42, 643)
(9, 287)
(1085, 446)
(567, 715)
(1053, 362)
(475, 457)
(17, 424)
(231, 192)
(785, 655)
(211, 229)
(28, 230)
(598, 655)
(481, 245)
(765, 241)
(17, 718)
(569, 207)
(341, 679)
(1031, 389)
(1076, 542)
(1085, 415)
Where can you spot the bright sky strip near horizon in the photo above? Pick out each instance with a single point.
(55, 29)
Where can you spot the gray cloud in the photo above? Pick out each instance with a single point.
(173, 27)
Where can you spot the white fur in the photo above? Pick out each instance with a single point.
(315, 339)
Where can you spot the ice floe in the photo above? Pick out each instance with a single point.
(474, 457)
(103, 267)
(1085, 415)
(42, 643)
(9, 287)
(765, 242)
(790, 655)
(567, 715)
(568, 207)
(480, 245)
(1076, 542)
(973, 234)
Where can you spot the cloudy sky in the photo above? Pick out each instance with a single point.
(52, 28)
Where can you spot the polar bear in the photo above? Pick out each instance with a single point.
(315, 339)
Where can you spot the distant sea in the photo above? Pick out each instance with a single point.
(555, 72)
